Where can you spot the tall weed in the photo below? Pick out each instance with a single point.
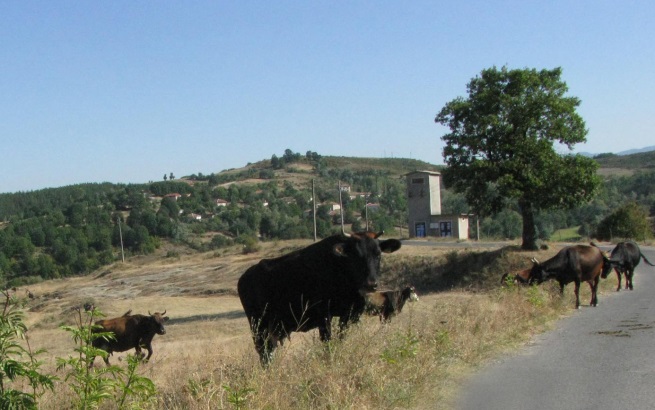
(19, 364)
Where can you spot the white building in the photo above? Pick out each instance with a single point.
(424, 206)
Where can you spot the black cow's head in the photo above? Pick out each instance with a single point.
(362, 253)
(608, 264)
(157, 322)
(537, 274)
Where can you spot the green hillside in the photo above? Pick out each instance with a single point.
(621, 165)
(299, 171)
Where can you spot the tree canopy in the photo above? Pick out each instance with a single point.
(501, 145)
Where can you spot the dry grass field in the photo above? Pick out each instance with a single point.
(206, 359)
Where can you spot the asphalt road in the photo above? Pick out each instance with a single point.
(599, 358)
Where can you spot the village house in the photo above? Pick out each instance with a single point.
(173, 195)
(355, 195)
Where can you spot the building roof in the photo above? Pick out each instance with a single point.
(423, 172)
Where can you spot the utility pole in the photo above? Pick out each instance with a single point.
(314, 208)
(477, 221)
(341, 207)
(366, 210)
(120, 233)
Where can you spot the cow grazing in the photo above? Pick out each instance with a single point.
(305, 289)
(130, 332)
(624, 258)
(577, 263)
(389, 303)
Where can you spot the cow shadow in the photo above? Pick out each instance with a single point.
(477, 270)
(231, 315)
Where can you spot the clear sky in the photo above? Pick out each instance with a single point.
(127, 91)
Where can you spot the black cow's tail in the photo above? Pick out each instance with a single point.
(645, 260)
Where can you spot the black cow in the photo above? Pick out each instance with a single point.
(305, 289)
(577, 263)
(624, 258)
(389, 303)
(130, 332)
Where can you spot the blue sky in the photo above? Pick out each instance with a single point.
(125, 91)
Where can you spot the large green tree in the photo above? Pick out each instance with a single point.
(501, 145)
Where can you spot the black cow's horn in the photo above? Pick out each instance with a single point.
(163, 313)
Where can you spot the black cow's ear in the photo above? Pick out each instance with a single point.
(390, 245)
(165, 318)
(339, 249)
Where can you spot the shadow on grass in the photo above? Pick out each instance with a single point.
(233, 314)
(476, 270)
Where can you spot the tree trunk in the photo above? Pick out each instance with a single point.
(529, 230)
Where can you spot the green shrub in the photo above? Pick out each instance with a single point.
(250, 243)
(629, 221)
(173, 254)
(535, 296)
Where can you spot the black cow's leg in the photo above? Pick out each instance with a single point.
(325, 331)
(618, 276)
(628, 277)
(263, 339)
(101, 347)
(106, 358)
(346, 321)
(259, 346)
(149, 348)
(577, 294)
(138, 352)
(264, 345)
(343, 325)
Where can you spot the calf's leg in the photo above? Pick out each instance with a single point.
(593, 284)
